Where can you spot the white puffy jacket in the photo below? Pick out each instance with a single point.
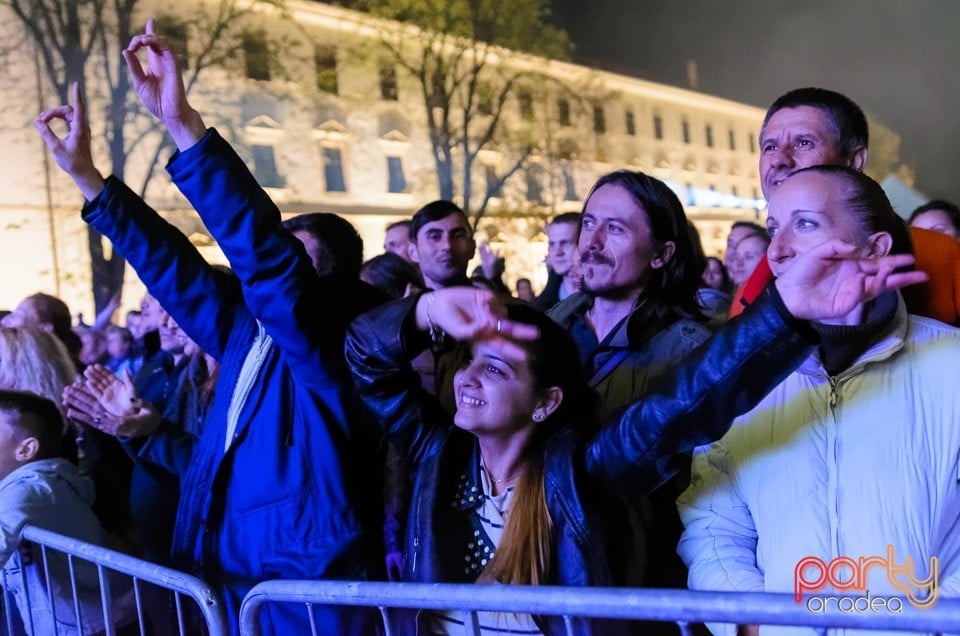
(836, 466)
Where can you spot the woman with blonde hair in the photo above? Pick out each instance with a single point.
(35, 360)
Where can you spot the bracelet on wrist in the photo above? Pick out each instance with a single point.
(436, 333)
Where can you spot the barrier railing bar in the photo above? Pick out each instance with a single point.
(141, 622)
(46, 574)
(106, 601)
(178, 582)
(27, 620)
(7, 598)
(178, 603)
(615, 603)
(73, 588)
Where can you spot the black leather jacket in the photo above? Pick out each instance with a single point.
(632, 453)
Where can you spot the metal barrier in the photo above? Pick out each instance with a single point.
(108, 565)
(682, 607)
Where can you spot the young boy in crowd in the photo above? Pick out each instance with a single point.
(39, 489)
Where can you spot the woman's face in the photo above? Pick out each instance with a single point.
(495, 392)
(713, 274)
(937, 221)
(807, 210)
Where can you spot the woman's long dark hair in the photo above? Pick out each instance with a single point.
(523, 556)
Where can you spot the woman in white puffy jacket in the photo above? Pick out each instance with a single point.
(854, 455)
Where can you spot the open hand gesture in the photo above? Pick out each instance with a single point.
(72, 151)
(469, 313)
(160, 87)
(830, 281)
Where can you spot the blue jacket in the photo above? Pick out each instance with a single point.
(585, 475)
(282, 500)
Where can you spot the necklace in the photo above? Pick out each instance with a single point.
(507, 478)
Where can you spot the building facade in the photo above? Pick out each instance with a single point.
(328, 124)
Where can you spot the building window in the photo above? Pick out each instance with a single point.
(708, 131)
(526, 105)
(733, 140)
(570, 185)
(658, 126)
(753, 144)
(494, 186)
(396, 181)
(265, 167)
(599, 120)
(256, 55)
(563, 110)
(333, 170)
(686, 131)
(691, 195)
(736, 197)
(630, 123)
(388, 82)
(534, 190)
(325, 58)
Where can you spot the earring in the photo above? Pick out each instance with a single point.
(538, 416)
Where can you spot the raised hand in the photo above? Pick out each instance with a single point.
(72, 151)
(488, 260)
(830, 281)
(468, 313)
(160, 87)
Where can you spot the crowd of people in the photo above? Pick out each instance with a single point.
(652, 418)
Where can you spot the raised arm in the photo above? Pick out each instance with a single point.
(381, 343)
(202, 300)
(306, 316)
(735, 369)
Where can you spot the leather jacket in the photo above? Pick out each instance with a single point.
(586, 472)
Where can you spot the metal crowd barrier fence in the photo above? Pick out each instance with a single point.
(682, 607)
(109, 566)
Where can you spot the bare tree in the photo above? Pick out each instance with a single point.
(458, 51)
(77, 40)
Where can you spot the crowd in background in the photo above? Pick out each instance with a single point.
(653, 417)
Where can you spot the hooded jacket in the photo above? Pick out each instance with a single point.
(53, 495)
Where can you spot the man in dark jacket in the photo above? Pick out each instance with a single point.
(563, 277)
(278, 442)
(640, 274)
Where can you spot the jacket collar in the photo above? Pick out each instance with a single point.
(469, 492)
(890, 343)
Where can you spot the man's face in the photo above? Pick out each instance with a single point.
(10, 440)
(561, 246)
(151, 314)
(796, 138)
(807, 211)
(310, 244)
(936, 221)
(397, 241)
(442, 249)
(736, 235)
(749, 251)
(617, 252)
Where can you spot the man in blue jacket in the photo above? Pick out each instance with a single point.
(271, 490)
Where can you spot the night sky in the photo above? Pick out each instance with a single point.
(898, 59)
